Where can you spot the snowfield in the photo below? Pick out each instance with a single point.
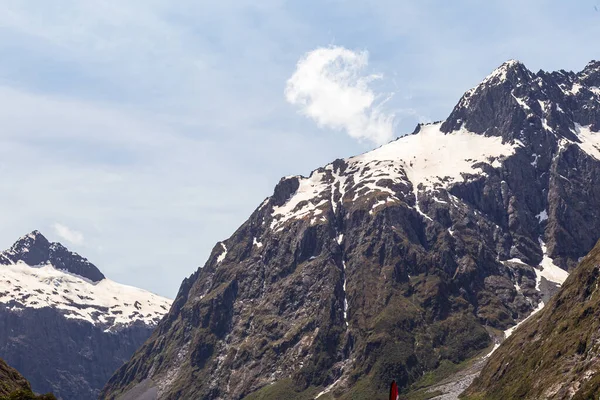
(106, 303)
(428, 160)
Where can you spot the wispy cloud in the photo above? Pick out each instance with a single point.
(331, 87)
(70, 235)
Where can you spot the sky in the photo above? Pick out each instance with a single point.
(141, 133)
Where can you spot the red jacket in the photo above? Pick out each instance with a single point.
(394, 391)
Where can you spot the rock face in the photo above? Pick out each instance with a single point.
(555, 354)
(395, 262)
(63, 324)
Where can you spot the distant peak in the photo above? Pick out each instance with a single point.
(34, 249)
(474, 112)
(32, 239)
(592, 65)
(590, 75)
(512, 63)
(34, 235)
(510, 70)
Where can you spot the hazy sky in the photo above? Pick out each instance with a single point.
(141, 132)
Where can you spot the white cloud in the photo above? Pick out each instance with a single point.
(68, 234)
(331, 87)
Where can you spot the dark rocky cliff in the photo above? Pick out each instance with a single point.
(393, 263)
(70, 358)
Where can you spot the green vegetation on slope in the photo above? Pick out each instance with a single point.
(27, 395)
(14, 387)
(556, 354)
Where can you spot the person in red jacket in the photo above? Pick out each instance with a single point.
(394, 391)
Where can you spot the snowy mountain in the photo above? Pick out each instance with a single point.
(408, 259)
(57, 302)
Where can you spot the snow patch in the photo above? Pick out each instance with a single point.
(575, 89)
(549, 270)
(345, 297)
(381, 203)
(509, 331)
(517, 287)
(543, 216)
(433, 158)
(223, 254)
(328, 388)
(308, 190)
(590, 141)
(256, 243)
(521, 102)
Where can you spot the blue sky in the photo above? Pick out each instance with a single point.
(140, 133)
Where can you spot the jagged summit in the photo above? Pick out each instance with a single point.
(516, 104)
(512, 71)
(591, 67)
(34, 249)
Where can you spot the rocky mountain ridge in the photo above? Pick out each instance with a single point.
(393, 263)
(81, 325)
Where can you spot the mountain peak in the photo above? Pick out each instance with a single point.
(516, 104)
(590, 75)
(488, 108)
(34, 249)
(593, 65)
(34, 236)
(511, 70)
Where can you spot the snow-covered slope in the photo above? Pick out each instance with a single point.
(427, 160)
(40, 283)
(106, 303)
